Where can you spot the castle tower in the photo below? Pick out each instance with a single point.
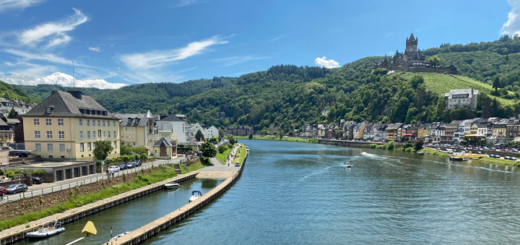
(411, 47)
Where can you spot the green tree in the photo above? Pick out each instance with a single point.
(417, 80)
(280, 134)
(208, 149)
(418, 144)
(435, 61)
(231, 139)
(102, 150)
(12, 113)
(220, 133)
(439, 111)
(390, 145)
(251, 136)
(496, 84)
(199, 136)
(222, 148)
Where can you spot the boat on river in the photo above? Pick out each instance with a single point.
(172, 185)
(364, 153)
(195, 195)
(348, 165)
(47, 231)
(118, 236)
(420, 153)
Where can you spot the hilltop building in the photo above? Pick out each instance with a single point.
(461, 98)
(412, 60)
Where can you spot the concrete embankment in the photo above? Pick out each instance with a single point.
(153, 228)
(347, 143)
(19, 232)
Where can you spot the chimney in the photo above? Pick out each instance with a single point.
(77, 94)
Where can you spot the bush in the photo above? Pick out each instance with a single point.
(222, 149)
(409, 149)
(408, 144)
(390, 145)
(1, 172)
(373, 146)
(39, 171)
(418, 144)
(9, 174)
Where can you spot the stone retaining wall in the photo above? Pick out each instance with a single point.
(347, 143)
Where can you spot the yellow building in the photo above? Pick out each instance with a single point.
(66, 125)
(138, 130)
(165, 149)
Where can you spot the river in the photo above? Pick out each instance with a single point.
(300, 193)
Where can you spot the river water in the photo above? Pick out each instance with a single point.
(129, 216)
(299, 193)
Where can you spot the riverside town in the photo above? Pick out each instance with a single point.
(247, 122)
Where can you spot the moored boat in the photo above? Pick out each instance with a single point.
(420, 153)
(48, 231)
(195, 195)
(348, 165)
(118, 236)
(172, 185)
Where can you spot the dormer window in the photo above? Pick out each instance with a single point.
(49, 110)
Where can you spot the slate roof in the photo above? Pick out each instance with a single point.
(394, 126)
(64, 104)
(172, 118)
(164, 142)
(132, 120)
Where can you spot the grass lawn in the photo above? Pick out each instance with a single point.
(443, 83)
(78, 200)
(194, 166)
(241, 154)
(222, 157)
(294, 139)
(498, 161)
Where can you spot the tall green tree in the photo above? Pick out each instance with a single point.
(435, 61)
(496, 84)
(199, 136)
(208, 149)
(417, 80)
(280, 134)
(220, 133)
(12, 113)
(439, 110)
(102, 150)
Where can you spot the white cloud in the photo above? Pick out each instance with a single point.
(95, 49)
(54, 32)
(231, 61)
(323, 62)
(155, 59)
(512, 26)
(186, 2)
(60, 79)
(31, 56)
(17, 4)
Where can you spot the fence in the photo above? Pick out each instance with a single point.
(103, 176)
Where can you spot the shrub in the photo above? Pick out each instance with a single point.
(1, 172)
(409, 149)
(418, 144)
(222, 149)
(390, 145)
(39, 171)
(229, 146)
(9, 174)
(373, 146)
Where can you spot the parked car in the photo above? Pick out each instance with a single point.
(113, 168)
(130, 165)
(496, 156)
(485, 148)
(37, 180)
(123, 166)
(3, 191)
(514, 150)
(507, 158)
(479, 152)
(491, 155)
(15, 188)
(513, 159)
(138, 163)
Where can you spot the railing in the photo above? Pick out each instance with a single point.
(34, 193)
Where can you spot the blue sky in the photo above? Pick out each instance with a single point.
(116, 43)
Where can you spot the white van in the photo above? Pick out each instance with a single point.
(450, 151)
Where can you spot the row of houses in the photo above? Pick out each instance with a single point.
(493, 130)
(19, 106)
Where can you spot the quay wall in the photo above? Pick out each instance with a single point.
(18, 232)
(348, 143)
(42, 202)
(163, 223)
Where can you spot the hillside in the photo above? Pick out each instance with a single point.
(9, 91)
(441, 83)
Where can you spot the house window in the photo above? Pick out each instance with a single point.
(36, 121)
(81, 147)
(49, 147)
(114, 123)
(108, 134)
(48, 122)
(88, 122)
(36, 134)
(89, 146)
(61, 134)
(163, 152)
(94, 134)
(115, 144)
(88, 134)
(81, 134)
(99, 123)
(108, 122)
(80, 122)
(115, 134)
(104, 134)
(49, 110)
(38, 147)
(49, 134)
(60, 122)
(103, 123)
(62, 147)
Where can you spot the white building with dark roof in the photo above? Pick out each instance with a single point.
(461, 98)
(179, 127)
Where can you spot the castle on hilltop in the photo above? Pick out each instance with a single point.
(412, 60)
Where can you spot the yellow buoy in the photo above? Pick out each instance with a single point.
(89, 229)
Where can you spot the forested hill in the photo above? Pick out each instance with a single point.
(157, 97)
(9, 91)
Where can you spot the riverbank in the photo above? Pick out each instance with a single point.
(275, 138)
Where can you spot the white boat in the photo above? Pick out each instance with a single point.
(172, 185)
(364, 153)
(348, 165)
(48, 231)
(118, 236)
(195, 195)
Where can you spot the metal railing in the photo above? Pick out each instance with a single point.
(34, 193)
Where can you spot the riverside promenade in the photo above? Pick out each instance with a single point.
(215, 171)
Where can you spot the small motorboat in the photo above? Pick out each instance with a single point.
(172, 185)
(118, 236)
(46, 231)
(420, 153)
(348, 165)
(195, 195)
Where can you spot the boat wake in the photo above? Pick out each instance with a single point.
(315, 173)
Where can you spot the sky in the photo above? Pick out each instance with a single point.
(115, 43)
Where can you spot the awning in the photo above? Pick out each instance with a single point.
(407, 134)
